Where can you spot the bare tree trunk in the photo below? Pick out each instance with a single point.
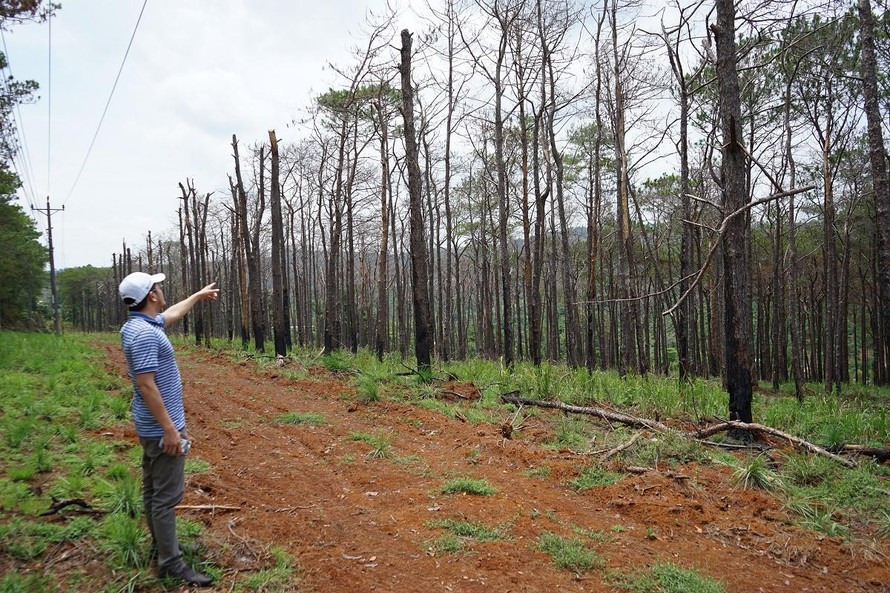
(683, 324)
(535, 307)
(830, 272)
(628, 359)
(381, 341)
(422, 329)
(737, 280)
(878, 160)
(332, 306)
(183, 265)
(279, 330)
(503, 196)
(254, 282)
(238, 247)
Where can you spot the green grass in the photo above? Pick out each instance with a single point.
(569, 553)
(123, 495)
(447, 543)
(196, 465)
(812, 514)
(802, 469)
(368, 388)
(126, 541)
(472, 530)
(477, 413)
(594, 477)
(468, 486)
(335, 362)
(307, 418)
(32, 583)
(278, 575)
(55, 394)
(380, 443)
(541, 472)
(666, 577)
(754, 473)
(597, 536)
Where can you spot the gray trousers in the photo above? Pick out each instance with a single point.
(163, 485)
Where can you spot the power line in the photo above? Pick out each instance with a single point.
(49, 103)
(107, 103)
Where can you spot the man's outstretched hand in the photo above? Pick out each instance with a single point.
(208, 293)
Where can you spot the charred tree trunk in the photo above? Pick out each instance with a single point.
(737, 279)
(279, 327)
(254, 282)
(878, 161)
(381, 341)
(422, 314)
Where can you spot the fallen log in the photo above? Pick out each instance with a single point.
(735, 425)
(629, 420)
(876, 452)
(591, 411)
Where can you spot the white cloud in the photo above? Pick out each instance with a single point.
(197, 73)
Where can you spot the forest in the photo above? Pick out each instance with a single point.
(696, 189)
(577, 226)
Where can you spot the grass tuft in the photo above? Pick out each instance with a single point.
(594, 477)
(379, 443)
(368, 388)
(126, 541)
(807, 470)
(666, 577)
(569, 553)
(468, 486)
(755, 473)
(447, 543)
(471, 530)
(309, 418)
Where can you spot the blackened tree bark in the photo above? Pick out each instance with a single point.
(737, 279)
(251, 248)
(878, 160)
(683, 326)
(183, 267)
(793, 301)
(422, 314)
(279, 328)
(238, 252)
(628, 359)
(381, 340)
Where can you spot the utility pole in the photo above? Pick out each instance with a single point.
(52, 265)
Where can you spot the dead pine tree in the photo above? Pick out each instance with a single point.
(737, 278)
(279, 328)
(422, 313)
(251, 251)
(877, 157)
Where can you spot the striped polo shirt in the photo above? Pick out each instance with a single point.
(148, 350)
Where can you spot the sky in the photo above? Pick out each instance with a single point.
(197, 72)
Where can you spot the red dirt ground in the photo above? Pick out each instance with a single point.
(357, 524)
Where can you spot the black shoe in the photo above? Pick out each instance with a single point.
(187, 574)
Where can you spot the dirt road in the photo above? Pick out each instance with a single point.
(356, 522)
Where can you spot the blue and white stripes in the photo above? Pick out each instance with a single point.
(148, 350)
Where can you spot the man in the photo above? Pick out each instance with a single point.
(158, 411)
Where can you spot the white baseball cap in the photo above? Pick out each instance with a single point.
(137, 285)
